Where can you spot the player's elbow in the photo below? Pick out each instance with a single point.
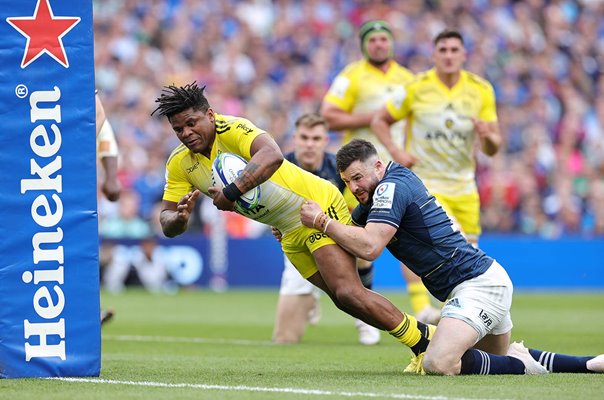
(370, 253)
(168, 233)
(378, 122)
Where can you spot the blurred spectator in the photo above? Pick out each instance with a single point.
(137, 265)
(128, 224)
(544, 58)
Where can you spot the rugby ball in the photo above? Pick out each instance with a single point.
(225, 169)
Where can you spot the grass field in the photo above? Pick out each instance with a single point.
(206, 345)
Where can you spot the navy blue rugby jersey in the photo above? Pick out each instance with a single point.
(425, 240)
(327, 171)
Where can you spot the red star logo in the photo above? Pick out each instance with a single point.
(44, 33)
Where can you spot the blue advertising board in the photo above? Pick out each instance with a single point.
(568, 263)
(49, 278)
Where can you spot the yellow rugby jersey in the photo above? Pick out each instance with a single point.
(441, 133)
(361, 88)
(281, 196)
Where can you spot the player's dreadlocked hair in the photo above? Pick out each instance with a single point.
(174, 100)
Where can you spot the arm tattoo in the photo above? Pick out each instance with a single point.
(247, 178)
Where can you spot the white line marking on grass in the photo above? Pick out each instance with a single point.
(265, 389)
(175, 339)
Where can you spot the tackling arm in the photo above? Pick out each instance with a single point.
(363, 242)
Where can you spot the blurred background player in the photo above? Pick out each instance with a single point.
(355, 95)
(298, 302)
(107, 153)
(449, 109)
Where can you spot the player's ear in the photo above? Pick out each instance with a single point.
(210, 114)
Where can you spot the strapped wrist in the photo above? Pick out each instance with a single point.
(232, 192)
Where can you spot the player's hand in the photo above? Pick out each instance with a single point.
(220, 200)
(111, 189)
(185, 205)
(277, 234)
(481, 127)
(406, 159)
(309, 212)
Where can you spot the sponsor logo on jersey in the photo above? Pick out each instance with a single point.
(454, 302)
(193, 168)
(488, 321)
(246, 129)
(452, 136)
(253, 212)
(383, 198)
(315, 237)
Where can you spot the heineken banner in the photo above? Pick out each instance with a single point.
(49, 277)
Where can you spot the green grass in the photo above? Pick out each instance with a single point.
(207, 345)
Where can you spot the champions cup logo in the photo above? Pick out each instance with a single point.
(44, 33)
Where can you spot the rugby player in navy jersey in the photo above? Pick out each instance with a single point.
(397, 212)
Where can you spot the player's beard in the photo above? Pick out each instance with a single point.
(380, 62)
(374, 184)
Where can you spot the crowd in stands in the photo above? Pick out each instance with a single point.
(271, 61)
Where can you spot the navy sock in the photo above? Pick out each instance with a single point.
(366, 275)
(560, 362)
(478, 362)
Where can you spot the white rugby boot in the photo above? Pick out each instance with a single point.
(531, 366)
(429, 315)
(596, 364)
(368, 335)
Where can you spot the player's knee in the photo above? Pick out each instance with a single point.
(287, 336)
(440, 365)
(347, 296)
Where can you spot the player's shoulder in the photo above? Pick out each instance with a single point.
(177, 154)
(425, 77)
(404, 73)
(477, 80)
(232, 123)
(330, 158)
(420, 79)
(398, 173)
(354, 68)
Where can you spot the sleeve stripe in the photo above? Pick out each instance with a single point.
(383, 221)
(179, 149)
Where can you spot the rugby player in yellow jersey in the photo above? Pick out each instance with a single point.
(204, 134)
(448, 110)
(355, 95)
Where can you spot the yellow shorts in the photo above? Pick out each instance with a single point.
(464, 210)
(299, 243)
